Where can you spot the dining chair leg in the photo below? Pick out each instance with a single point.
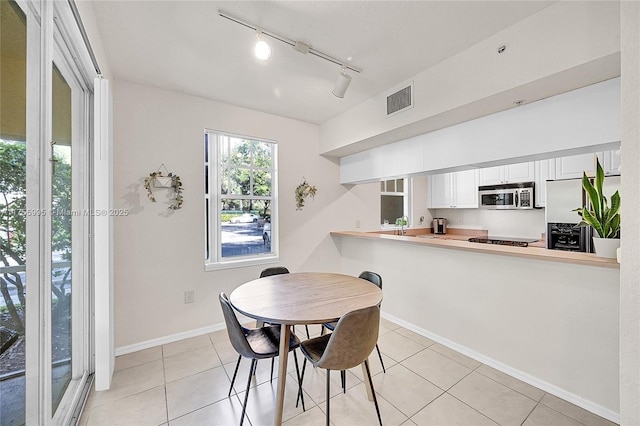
(235, 372)
(380, 356)
(304, 366)
(306, 327)
(300, 395)
(322, 329)
(328, 392)
(273, 360)
(343, 380)
(373, 391)
(246, 395)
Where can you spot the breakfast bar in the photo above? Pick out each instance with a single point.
(547, 317)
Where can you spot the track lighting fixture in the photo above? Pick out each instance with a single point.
(262, 51)
(342, 84)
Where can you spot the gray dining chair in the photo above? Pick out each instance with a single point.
(255, 344)
(377, 280)
(354, 337)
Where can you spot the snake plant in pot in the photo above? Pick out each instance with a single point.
(602, 214)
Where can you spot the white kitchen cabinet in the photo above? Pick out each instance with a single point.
(440, 194)
(491, 175)
(454, 190)
(512, 173)
(544, 170)
(611, 162)
(574, 166)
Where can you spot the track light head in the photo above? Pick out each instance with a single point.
(262, 49)
(342, 84)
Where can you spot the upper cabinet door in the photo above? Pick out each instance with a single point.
(440, 191)
(491, 175)
(544, 170)
(512, 173)
(465, 189)
(574, 166)
(611, 162)
(520, 172)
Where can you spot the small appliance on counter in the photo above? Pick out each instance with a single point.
(439, 225)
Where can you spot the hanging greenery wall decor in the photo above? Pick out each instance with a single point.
(159, 180)
(303, 191)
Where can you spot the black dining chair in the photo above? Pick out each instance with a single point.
(353, 338)
(377, 280)
(254, 343)
(278, 270)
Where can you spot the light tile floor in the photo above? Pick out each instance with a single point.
(186, 383)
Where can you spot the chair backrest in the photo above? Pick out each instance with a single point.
(234, 329)
(352, 340)
(276, 270)
(372, 277)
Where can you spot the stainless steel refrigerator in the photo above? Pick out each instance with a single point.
(563, 196)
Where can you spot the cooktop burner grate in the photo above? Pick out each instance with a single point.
(502, 242)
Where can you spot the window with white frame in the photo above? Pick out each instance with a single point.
(240, 200)
(394, 201)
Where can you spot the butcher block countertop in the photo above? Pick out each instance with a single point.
(456, 239)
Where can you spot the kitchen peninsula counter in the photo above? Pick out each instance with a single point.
(549, 318)
(457, 240)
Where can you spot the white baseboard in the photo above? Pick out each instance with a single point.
(520, 375)
(122, 350)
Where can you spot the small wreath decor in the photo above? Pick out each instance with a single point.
(303, 191)
(156, 179)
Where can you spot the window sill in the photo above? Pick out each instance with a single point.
(241, 263)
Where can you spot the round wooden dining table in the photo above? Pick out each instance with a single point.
(301, 298)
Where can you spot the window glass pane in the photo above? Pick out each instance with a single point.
(242, 228)
(224, 181)
(382, 186)
(61, 285)
(240, 152)
(262, 183)
(400, 185)
(13, 197)
(240, 181)
(391, 208)
(262, 155)
(391, 186)
(243, 216)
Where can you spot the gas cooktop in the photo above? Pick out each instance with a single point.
(504, 241)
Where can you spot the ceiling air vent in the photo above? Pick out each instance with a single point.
(400, 100)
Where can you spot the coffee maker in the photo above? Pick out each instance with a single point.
(439, 225)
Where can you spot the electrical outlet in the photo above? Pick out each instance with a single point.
(189, 296)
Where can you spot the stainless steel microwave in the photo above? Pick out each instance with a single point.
(510, 196)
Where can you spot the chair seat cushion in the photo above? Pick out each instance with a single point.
(314, 348)
(264, 341)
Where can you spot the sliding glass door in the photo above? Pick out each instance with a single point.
(44, 217)
(13, 201)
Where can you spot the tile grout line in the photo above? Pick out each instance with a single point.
(530, 412)
(164, 383)
(473, 408)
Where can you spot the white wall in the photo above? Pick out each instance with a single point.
(551, 324)
(507, 223)
(630, 242)
(566, 45)
(159, 253)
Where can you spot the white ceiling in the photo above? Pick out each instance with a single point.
(185, 46)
